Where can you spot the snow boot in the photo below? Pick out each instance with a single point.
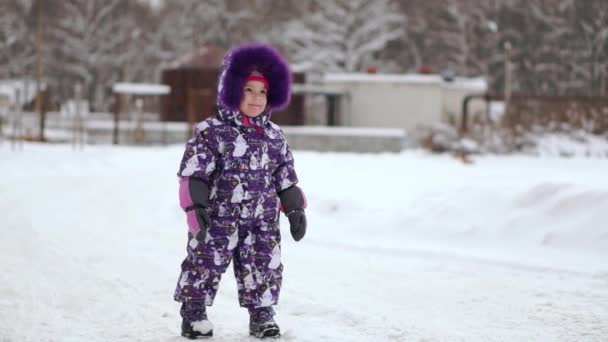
(197, 329)
(195, 324)
(262, 324)
(264, 330)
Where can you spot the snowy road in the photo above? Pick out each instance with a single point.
(90, 245)
(415, 296)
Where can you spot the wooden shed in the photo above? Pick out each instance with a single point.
(193, 81)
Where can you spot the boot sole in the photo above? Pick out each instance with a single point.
(197, 336)
(266, 333)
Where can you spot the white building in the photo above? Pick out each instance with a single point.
(401, 101)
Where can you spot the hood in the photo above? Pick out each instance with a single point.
(236, 68)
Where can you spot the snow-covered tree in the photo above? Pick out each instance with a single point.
(89, 36)
(340, 35)
(589, 41)
(188, 25)
(456, 35)
(134, 57)
(17, 47)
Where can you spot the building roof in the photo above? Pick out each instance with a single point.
(141, 88)
(468, 83)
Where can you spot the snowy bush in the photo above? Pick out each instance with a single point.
(535, 140)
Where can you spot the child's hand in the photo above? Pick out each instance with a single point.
(297, 224)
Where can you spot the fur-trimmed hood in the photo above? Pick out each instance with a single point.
(238, 65)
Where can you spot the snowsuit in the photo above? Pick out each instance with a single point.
(245, 162)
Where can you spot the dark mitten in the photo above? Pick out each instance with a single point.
(297, 224)
(198, 217)
(203, 219)
(294, 203)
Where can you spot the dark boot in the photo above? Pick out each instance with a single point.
(197, 329)
(195, 324)
(262, 324)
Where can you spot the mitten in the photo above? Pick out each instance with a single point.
(194, 199)
(293, 202)
(297, 223)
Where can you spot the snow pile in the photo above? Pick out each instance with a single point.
(496, 205)
(578, 144)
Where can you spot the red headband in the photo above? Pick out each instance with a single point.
(259, 79)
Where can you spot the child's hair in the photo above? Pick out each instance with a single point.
(241, 62)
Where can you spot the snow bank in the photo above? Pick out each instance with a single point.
(516, 208)
(579, 144)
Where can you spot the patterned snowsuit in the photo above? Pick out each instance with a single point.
(245, 162)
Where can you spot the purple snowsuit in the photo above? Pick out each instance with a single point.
(245, 163)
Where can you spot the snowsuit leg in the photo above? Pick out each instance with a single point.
(257, 263)
(204, 265)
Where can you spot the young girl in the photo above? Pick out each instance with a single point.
(235, 174)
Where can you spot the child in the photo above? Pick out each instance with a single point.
(235, 174)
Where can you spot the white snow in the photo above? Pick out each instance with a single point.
(473, 84)
(202, 326)
(26, 89)
(400, 247)
(141, 88)
(579, 143)
(497, 110)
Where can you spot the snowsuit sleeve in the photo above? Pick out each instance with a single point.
(201, 154)
(285, 174)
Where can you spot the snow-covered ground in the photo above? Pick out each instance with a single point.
(401, 247)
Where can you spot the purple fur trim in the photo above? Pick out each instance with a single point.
(239, 64)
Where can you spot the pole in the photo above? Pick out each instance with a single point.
(77, 123)
(139, 121)
(507, 75)
(17, 122)
(117, 110)
(40, 70)
(2, 116)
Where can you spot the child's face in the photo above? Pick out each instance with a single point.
(254, 99)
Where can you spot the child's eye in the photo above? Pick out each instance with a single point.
(263, 91)
(248, 90)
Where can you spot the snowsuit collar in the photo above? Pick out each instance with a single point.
(241, 120)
